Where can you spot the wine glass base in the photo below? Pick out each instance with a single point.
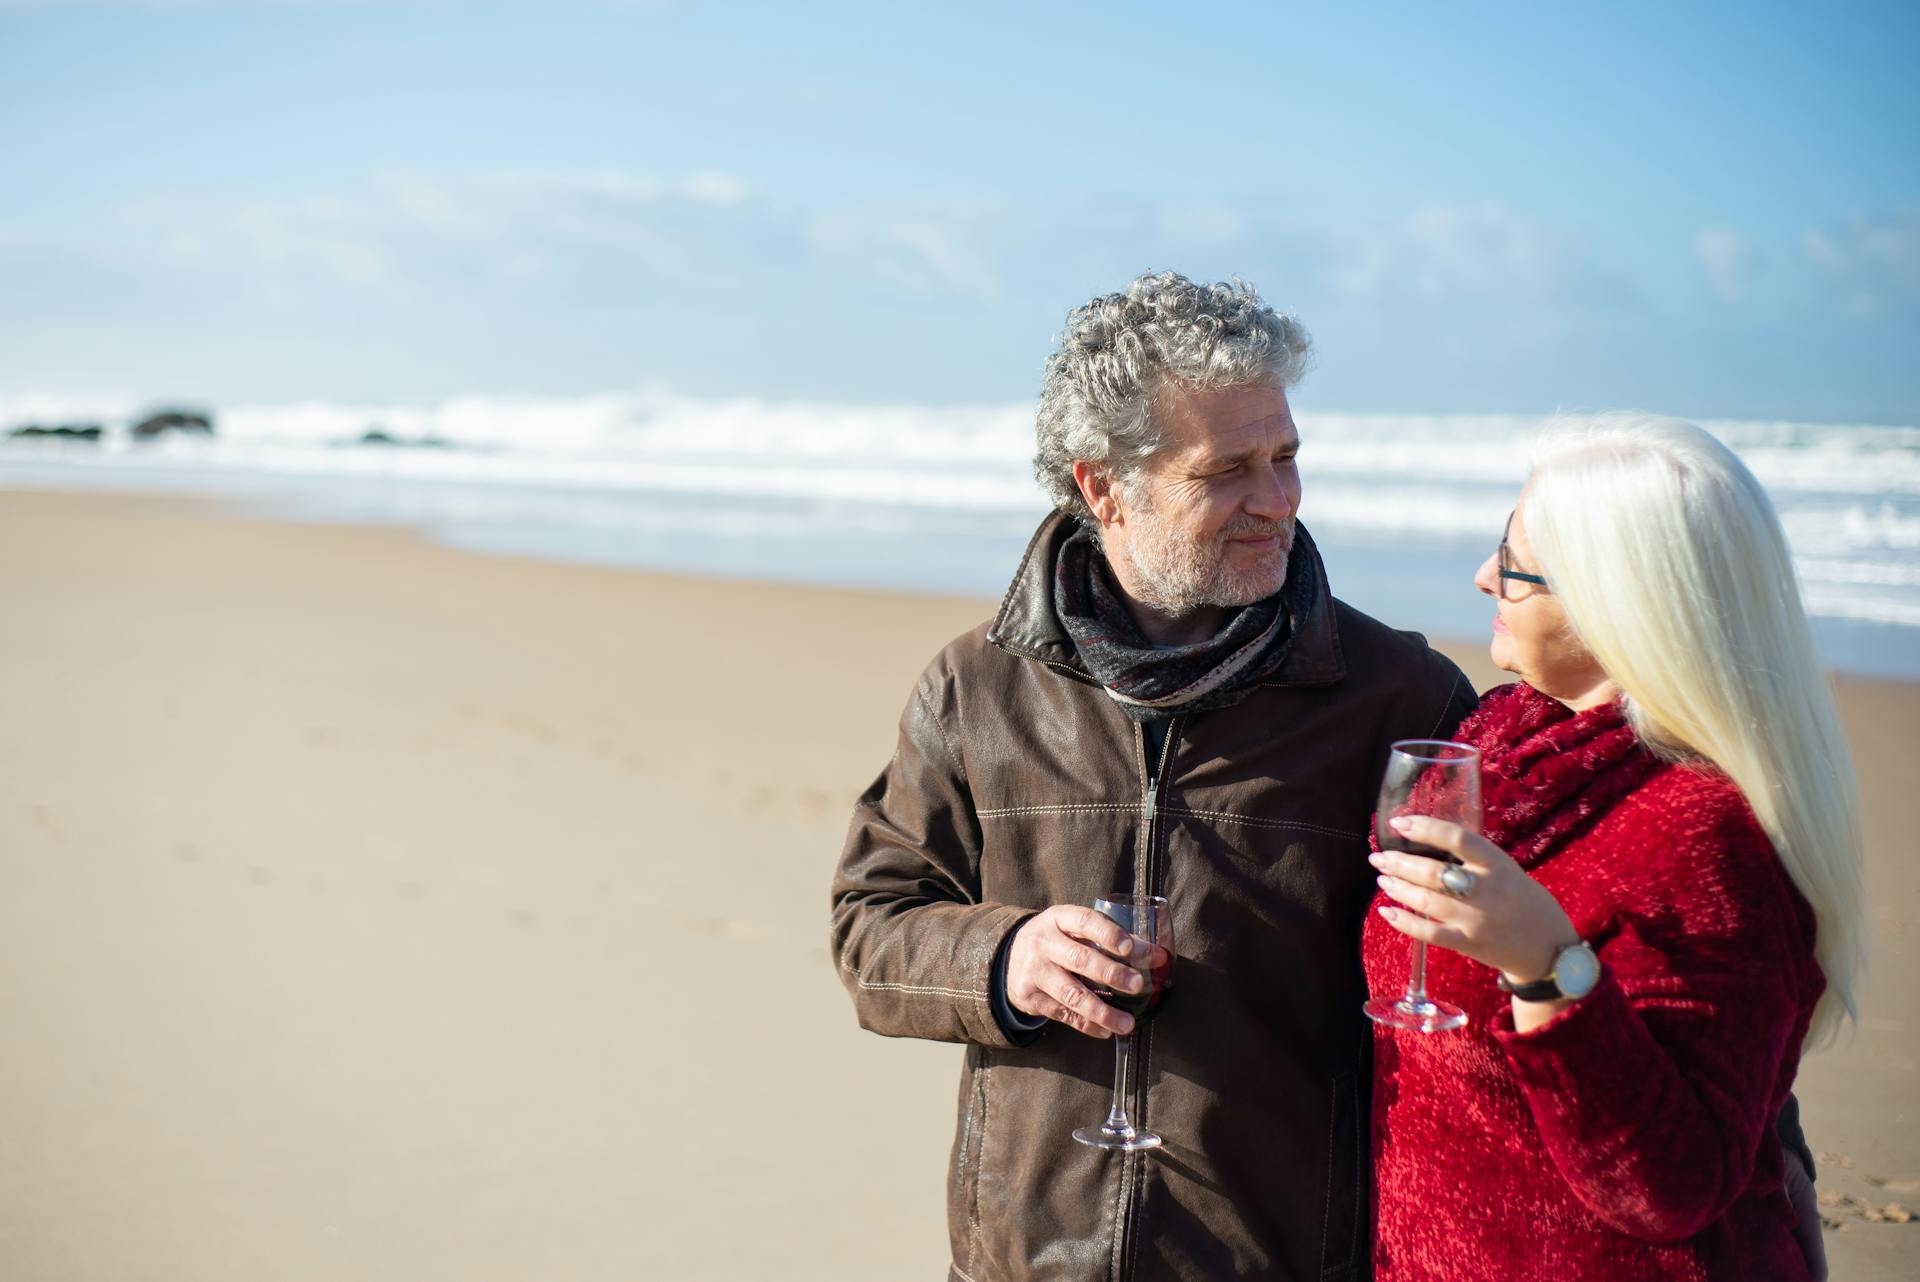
(1128, 1141)
(1426, 1016)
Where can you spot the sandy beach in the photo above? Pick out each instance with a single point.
(378, 911)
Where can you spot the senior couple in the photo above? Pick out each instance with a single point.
(1663, 909)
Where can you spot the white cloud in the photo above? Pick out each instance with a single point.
(1874, 262)
(459, 231)
(1728, 258)
(1488, 253)
(928, 250)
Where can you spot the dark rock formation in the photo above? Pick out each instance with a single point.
(173, 421)
(65, 431)
(380, 436)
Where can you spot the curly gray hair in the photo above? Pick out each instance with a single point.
(1095, 400)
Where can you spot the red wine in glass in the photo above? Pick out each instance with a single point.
(1393, 841)
(1149, 919)
(1147, 1002)
(1442, 781)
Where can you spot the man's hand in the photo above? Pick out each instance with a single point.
(1056, 955)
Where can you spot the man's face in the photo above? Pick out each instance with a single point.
(1210, 519)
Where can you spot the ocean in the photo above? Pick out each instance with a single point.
(1403, 507)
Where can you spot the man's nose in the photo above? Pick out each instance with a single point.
(1276, 496)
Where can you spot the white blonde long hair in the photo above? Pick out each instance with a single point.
(1675, 574)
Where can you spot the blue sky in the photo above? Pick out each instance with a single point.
(1474, 206)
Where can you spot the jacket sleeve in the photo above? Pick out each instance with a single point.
(1654, 1094)
(912, 941)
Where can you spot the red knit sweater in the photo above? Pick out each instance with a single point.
(1632, 1136)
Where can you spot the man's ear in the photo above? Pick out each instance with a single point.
(1097, 489)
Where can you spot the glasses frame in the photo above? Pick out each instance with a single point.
(1504, 556)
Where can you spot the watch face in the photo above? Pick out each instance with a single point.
(1576, 970)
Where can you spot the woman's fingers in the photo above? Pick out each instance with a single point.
(1418, 869)
(1425, 900)
(1475, 853)
(1414, 926)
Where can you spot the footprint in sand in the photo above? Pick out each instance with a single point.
(1842, 1210)
(43, 818)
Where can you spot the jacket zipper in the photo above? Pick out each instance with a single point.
(1135, 1162)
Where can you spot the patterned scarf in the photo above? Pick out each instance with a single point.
(1150, 683)
(1547, 772)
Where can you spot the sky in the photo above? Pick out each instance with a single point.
(1710, 209)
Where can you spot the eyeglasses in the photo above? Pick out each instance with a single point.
(1506, 564)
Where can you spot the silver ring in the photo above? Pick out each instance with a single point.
(1458, 882)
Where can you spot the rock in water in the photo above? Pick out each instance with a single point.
(65, 431)
(173, 421)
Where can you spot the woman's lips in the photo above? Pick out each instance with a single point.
(1499, 624)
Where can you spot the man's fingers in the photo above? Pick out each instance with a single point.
(1072, 1019)
(1082, 959)
(1087, 1010)
(1100, 930)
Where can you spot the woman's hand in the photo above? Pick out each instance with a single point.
(1509, 921)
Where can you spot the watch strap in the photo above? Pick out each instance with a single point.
(1538, 990)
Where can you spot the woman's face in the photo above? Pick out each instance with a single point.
(1531, 636)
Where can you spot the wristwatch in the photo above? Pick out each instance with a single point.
(1575, 971)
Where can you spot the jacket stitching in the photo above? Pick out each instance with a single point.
(1120, 1217)
(1010, 812)
(1251, 821)
(929, 990)
(1006, 811)
(920, 990)
(958, 767)
(986, 1107)
(966, 1128)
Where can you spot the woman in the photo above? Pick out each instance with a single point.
(1665, 905)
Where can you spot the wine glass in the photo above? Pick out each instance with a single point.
(1149, 919)
(1441, 780)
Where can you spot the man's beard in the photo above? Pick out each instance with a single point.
(1176, 574)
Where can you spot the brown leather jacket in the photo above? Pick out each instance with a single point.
(1017, 784)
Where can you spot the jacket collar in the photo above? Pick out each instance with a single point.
(1027, 626)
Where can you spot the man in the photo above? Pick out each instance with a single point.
(1169, 701)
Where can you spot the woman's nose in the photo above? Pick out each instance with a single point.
(1487, 577)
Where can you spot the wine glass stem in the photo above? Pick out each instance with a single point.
(1117, 1115)
(1417, 982)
